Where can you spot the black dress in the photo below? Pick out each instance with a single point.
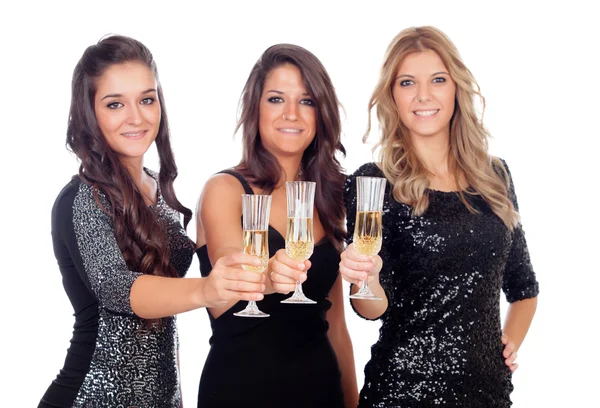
(439, 342)
(285, 360)
(112, 361)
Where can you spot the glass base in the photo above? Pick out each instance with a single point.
(299, 298)
(365, 296)
(365, 293)
(251, 311)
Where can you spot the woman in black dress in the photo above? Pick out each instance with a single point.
(452, 240)
(119, 242)
(291, 131)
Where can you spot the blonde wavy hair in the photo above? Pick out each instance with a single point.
(485, 175)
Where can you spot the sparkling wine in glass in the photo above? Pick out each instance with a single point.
(299, 240)
(367, 232)
(255, 240)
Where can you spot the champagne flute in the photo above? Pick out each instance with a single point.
(255, 241)
(367, 231)
(299, 240)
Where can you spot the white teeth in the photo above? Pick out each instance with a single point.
(132, 134)
(291, 130)
(426, 113)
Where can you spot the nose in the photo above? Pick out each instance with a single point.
(135, 116)
(290, 112)
(423, 93)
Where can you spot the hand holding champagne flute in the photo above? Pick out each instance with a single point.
(368, 232)
(255, 241)
(299, 240)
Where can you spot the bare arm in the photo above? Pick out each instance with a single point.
(342, 345)
(517, 322)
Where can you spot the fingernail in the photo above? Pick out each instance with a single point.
(262, 287)
(259, 296)
(303, 276)
(301, 266)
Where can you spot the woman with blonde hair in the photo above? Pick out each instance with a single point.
(452, 239)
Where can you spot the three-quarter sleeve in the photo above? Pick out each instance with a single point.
(519, 280)
(88, 234)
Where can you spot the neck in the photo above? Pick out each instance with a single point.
(434, 153)
(290, 166)
(135, 168)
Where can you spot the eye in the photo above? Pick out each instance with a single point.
(308, 102)
(406, 82)
(439, 80)
(148, 101)
(114, 105)
(275, 99)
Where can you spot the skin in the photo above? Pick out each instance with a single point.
(287, 125)
(425, 95)
(128, 114)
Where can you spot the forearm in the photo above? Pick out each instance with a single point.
(342, 345)
(371, 309)
(154, 297)
(518, 319)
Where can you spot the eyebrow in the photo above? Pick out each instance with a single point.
(119, 95)
(281, 93)
(412, 76)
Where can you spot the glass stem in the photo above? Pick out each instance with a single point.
(298, 290)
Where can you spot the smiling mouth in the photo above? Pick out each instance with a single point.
(290, 130)
(134, 135)
(426, 113)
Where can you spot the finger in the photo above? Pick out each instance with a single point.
(236, 274)
(284, 288)
(513, 367)
(282, 257)
(355, 256)
(508, 350)
(239, 259)
(358, 266)
(352, 275)
(241, 286)
(278, 278)
(279, 268)
(232, 295)
(504, 339)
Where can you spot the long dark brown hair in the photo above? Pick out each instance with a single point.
(139, 234)
(319, 162)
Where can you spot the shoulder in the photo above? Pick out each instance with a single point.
(63, 204)
(368, 170)
(222, 189)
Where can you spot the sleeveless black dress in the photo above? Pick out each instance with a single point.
(285, 360)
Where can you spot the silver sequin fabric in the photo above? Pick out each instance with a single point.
(130, 366)
(443, 273)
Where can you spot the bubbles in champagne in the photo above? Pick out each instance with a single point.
(256, 243)
(367, 233)
(299, 241)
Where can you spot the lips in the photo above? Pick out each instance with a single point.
(426, 113)
(134, 135)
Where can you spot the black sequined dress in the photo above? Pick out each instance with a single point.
(439, 343)
(112, 360)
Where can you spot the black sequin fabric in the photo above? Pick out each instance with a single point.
(440, 339)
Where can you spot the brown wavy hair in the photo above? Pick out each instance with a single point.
(485, 175)
(139, 234)
(319, 161)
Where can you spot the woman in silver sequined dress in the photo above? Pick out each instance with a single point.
(119, 243)
(452, 240)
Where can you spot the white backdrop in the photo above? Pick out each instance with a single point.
(534, 63)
